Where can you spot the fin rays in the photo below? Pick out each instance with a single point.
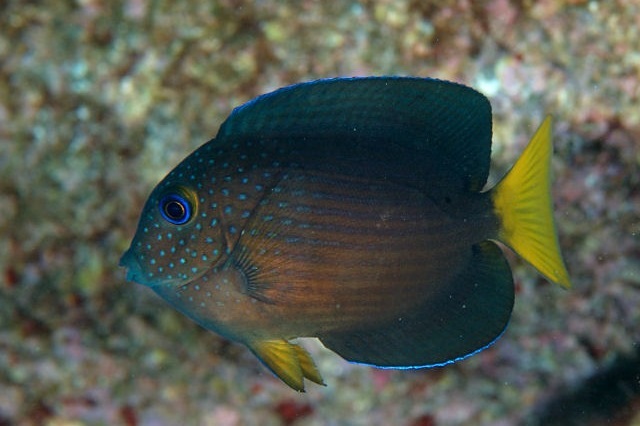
(290, 362)
(523, 202)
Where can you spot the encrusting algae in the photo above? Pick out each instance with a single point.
(351, 210)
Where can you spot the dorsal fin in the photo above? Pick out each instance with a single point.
(445, 119)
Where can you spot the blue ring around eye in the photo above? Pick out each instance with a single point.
(175, 209)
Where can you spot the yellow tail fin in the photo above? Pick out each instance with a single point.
(522, 201)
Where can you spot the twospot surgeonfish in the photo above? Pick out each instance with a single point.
(353, 210)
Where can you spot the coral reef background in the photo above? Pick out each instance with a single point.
(98, 100)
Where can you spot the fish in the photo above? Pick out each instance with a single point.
(354, 211)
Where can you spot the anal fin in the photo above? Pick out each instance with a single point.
(464, 317)
(290, 362)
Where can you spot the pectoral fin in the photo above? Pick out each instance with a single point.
(290, 362)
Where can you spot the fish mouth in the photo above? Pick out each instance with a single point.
(136, 274)
(134, 270)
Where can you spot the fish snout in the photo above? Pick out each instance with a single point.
(134, 271)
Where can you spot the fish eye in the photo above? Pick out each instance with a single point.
(175, 209)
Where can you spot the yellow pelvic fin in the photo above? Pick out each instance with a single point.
(309, 369)
(522, 201)
(290, 362)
